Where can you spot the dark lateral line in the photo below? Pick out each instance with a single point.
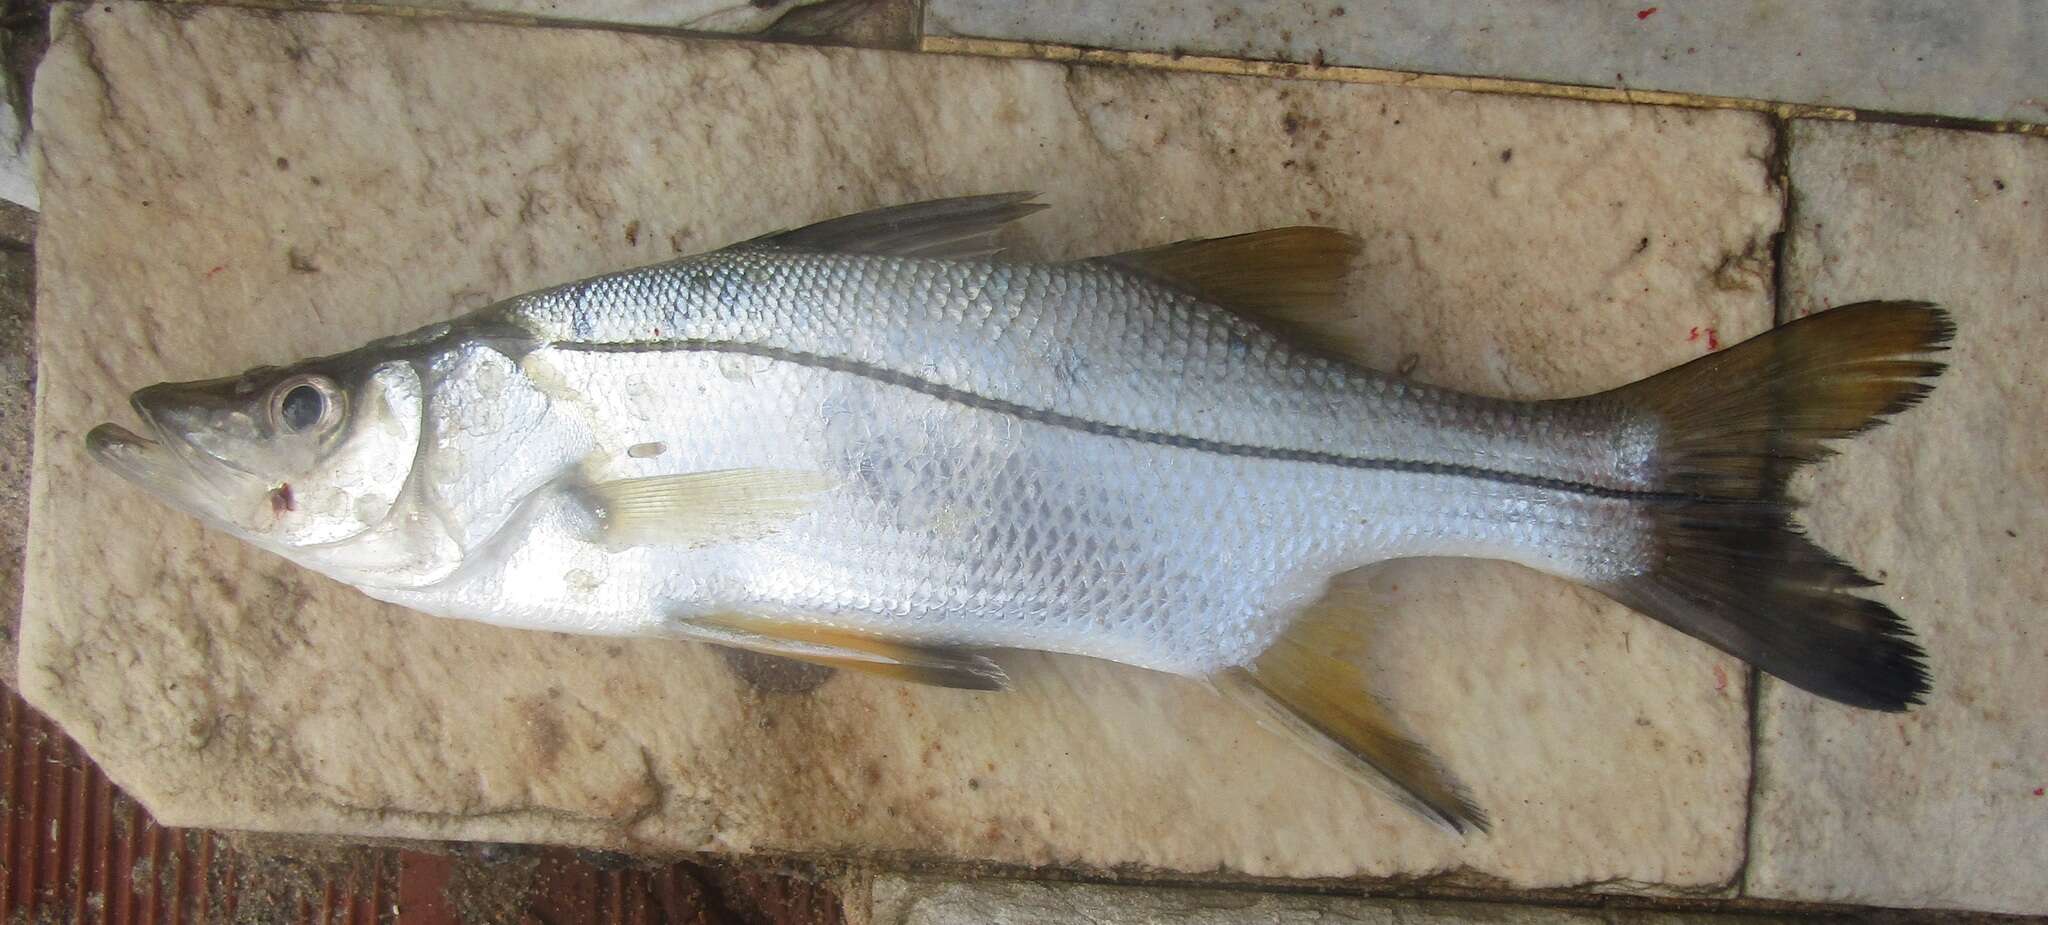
(1100, 429)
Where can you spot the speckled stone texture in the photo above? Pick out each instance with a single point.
(1943, 806)
(919, 901)
(17, 394)
(311, 181)
(1981, 59)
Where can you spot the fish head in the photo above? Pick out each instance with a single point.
(295, 459)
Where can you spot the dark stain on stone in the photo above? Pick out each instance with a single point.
(544, 727)
(773, 674)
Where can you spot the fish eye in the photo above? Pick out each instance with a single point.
(303, 404)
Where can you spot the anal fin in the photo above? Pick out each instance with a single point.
(937, 666)
(1303, 685)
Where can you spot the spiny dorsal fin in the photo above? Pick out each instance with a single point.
(1290, 280)
(947, 228)
(939, 666)
(1304, 685)
(703, 508)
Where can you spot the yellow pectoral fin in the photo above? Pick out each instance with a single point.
(938, 666)
(1304, 686)
(704, 508)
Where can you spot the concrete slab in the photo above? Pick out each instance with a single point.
(1941, 807)
(314, 180)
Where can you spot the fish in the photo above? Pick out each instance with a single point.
(883, 444)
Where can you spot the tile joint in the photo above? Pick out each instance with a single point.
(1288, 70)
(1207, 64)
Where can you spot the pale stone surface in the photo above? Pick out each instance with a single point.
(1942, 806)
(1983, 59)
(311, 181)
(701, 15)
(921, 901)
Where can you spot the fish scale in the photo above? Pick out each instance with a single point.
(1038, 495)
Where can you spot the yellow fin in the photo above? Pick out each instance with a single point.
(703, 508)
(1304, 686)
(1290, 280)
(938, 666)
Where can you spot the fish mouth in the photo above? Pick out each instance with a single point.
(156, 465)
(108, 441)
(126, 452)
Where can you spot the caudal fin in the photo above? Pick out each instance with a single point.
(1729, 565)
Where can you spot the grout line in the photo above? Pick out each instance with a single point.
(1755, 701)
(1781, 174)
(1243, 67)
(1201, 64)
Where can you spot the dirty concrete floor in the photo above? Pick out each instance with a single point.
(217, 877)
(17, 397)
(120, 866)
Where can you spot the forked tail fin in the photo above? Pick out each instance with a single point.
(1728, 564)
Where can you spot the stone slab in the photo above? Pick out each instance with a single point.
(1986, 59)
(1942, 806)
(928, 901)
(313, 180)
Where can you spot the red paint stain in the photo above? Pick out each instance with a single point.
(2041, 791)
(210, 273)
(1720, 679)
(1713, 337)
(1646, 12)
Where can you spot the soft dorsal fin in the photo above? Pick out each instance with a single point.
(939, 666)
(948, 228)
(1304, 686)
(1290, 280)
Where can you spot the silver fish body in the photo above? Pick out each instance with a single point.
(1065, 457)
